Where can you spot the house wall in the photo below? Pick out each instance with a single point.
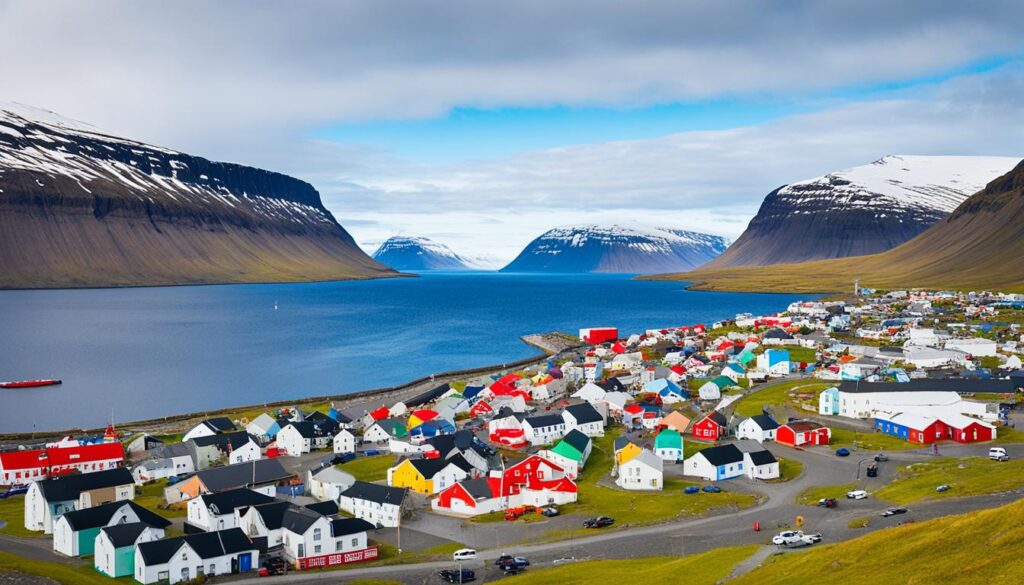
(344, 442)
(249, 452)
(292, 441)
(634, 475)
(187, 559)
(387, 515)
(312, 546)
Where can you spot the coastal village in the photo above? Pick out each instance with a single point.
(612, 430)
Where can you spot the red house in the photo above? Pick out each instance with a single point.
(802, 432)
(964, 429)
(595, 335)
(710, 428)
(481, 408)
(18, 467)
(533, 469)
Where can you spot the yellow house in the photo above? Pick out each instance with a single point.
(627, 452)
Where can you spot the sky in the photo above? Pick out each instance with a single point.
(483, 124)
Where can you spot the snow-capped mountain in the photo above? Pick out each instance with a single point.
(861, 210)
(629, 249)
(83, 208)
(417, 253)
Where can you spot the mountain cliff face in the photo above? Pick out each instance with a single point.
(861, 210)
(620, 249)
(978, 246)
(415, 253)
(81, 208)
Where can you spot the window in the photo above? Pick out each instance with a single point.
(317, 549)
(317, 533)
(212, 570)
(337, 546)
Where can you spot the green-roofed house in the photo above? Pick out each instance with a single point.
(713, 390)
(745, 357)
(668, 445)
(571, 453)
(734, 372)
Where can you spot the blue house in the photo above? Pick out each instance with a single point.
(828, 401)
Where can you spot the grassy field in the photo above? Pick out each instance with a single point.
(810, 496)
(789, 469)
(703, 569)
(68, 575)
(637, 508)
(858, 523)
(981, 547)
(870, 441)
(965, 477)
(792, 393)
(151, 497)
(1006, 435)
(12, 512)
(370, 468)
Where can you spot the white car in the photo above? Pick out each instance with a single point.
(464, 554)
(857, 495)
(788, 537)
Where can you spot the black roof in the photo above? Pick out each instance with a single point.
(121, 535)
(328, 508)
(478, 488)
(428, 396)
(612, 385)
(261, 471)
(766, 422)
(545, 420)
(228, 501)
(101, 515)
(762, 457)
(374, 492)
(69, 487)
(428, 468)
(577, 440)
(170, 450)
(346, 526)
(207, 545)
(220, 424)
(718, 417)
(962, 385)
(584, 413)
(305, 428)
(272, 513)
(298, 520)
(236, 440)
(722, 454)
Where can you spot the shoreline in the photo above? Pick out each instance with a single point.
(343, 402)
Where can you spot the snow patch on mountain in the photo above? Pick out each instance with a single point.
(419, 253)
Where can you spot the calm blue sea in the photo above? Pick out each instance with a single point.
(150, 352)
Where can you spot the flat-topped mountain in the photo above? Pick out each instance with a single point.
(617, 248)
(861, 210)
(81, 208)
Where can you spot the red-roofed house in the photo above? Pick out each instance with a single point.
(802, 432)
(17, 467)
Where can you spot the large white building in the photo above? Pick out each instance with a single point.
(378, 504)
(184, 558)
(867, 400)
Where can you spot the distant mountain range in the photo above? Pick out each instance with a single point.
(82, 208)
(860, 210)
(618, 249)
(977, 246)
(417, 253)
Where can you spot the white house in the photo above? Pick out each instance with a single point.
(49, 499)
(211, 512)
(544, 429)
(115, 547)
(172, 459)
(308, 534)
(327, 482)
(75, 532)
(379, 505)
(260, 427)
(186, 557)
(774, 361)
(975, 346)
(760, 465)
(296, 438)
(584, 418)
(248, 451)
(643, 472)
(760, 428)
(210, 427)
(715, 463)
(344, 442)
(927, 357)
(590, 392)
(384, 430)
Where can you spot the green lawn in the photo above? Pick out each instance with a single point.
(702, 569)
(966, 477)
(634, 508)
(12, 511)
(801, 354)
(1006, 435)
(870, 441)
(980, 547)
(151, 497)
(788, 469)
(792, 393)
(370, 468)
(858, 523)
(68, 575)
(810, 496)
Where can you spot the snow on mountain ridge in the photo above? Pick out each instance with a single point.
(420, 253)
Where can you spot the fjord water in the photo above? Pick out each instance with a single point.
(148, 352)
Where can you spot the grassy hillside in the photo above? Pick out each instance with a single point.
(981, 547)
(976, 247)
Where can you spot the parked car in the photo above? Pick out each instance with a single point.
(893, 512)
(691, 489)
(786, 537)
(507, 561)
(14, 490)
(828, 502)
(599, 522)
(464, 554)
(857, 494)
(942, 488)
(372, 452)
(998, 454)
(872, 470)
(814, 537)
(881, 457)
(549, 511)
(712, 489)
(842, 452)
(339, 459)
(275, 566)
(456, 576)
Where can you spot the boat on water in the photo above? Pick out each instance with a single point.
(29, 383)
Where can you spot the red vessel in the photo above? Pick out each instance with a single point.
(28, 383)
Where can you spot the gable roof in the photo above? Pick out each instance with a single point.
(765, 422)
(393, 427)
(261, 471)
(428, 468)
(69, 487)
(584, 413)
(374, 492)
(305, 428)
(299, 520)
(577, 440)
(346, 526)
(762, 457)
(722, 454)
(207, 545)
(235, 440)
(668, 439)
(477, 488)
(220, 424)
(122, 535)
(612, 385)
(100, 515)
(227, 502)
(545, 420)
(325, 508)
(717, 417)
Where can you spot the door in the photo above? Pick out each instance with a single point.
(245, 563)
